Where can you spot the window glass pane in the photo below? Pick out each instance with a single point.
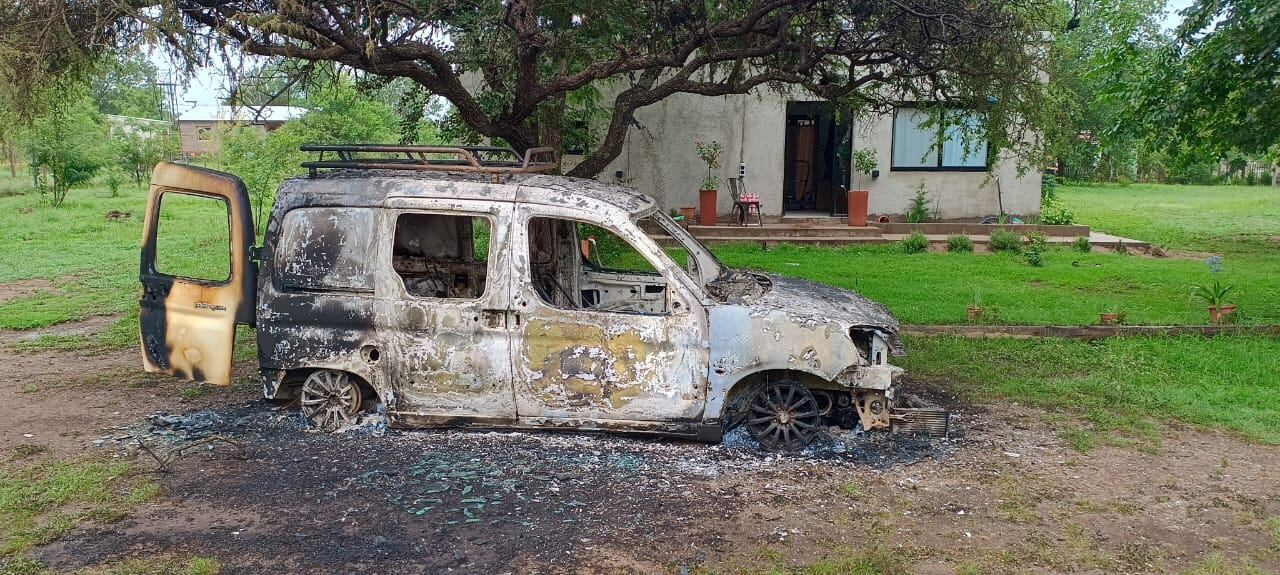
(436, 255)
(964, 130)
(575, 265)
(193, 237)
(326, 248)
(914, 144)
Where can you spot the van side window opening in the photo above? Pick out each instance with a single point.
(441, 255)
(576, 265)
(326, 249)
(193, 237)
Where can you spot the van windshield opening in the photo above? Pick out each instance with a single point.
(683, 248)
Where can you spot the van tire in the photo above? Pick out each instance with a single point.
(783, 416)
(331, 399)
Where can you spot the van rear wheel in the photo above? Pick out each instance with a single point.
(783, 416)
(331, 399)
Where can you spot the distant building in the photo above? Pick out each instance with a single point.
(198, 127)
(147, 127)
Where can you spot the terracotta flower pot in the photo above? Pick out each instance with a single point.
(858, 207)
(974, 312)
(707, 207)
(688, 214)
(1219, 313)
(1109, 318)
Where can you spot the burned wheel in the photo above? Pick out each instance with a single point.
(783, 416)
(331, 399)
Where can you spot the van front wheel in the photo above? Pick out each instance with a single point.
(783, 416)
(331, 399)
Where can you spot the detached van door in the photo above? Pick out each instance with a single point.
(198, 281)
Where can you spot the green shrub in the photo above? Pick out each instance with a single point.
(1038, 241)
(1003, 240)
(959, 243)
(1048, 187)
(1033, 257)
(915, 243)
(918, 211)
(1054, 213)
(1082, 244)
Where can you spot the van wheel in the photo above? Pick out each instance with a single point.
(783, 416)
(331, 399)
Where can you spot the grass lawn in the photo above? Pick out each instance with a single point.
(1071, 288)
(1241, 224)
(1223, 219)
(1121, 386)
(93, 260)
(39, 503)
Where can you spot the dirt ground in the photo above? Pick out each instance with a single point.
(1007, 496)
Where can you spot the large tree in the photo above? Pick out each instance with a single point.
(128, 85)
(1230, 89)
(1228, 96)
(1109, 49)
(1212, 92)
(510, 68)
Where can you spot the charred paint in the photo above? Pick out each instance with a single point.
(579, 365)
(330, 297)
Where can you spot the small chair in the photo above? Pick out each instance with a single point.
(744, 204)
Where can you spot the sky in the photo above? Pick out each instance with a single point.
(208, 86)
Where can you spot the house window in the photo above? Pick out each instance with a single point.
(204, 133)
(916, 141)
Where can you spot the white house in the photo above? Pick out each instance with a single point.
(794, 154)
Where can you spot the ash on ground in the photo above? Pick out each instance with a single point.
(449, 495)
(466, 476)
(259, 424)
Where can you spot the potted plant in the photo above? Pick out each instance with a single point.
(1111, 315)
(709, 153)
(863, 162)
(1215, 295)
(687, 214)
(974, 311)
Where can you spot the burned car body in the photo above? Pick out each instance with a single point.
(506, 297)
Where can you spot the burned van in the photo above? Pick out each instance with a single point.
(454, 289)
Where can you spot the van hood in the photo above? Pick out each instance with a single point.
(806, 303)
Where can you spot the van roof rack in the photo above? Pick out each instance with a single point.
(493, 160)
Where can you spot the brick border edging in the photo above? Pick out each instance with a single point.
(1087, 331)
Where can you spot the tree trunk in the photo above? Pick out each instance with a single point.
(11, 156)
(550, 129)
(1275, 173)
(610, 147)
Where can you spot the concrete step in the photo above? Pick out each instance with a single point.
(812, 220)
(974, 229)
(783, 231)
(773, 241)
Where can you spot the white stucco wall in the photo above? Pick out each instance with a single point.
(660, 159)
